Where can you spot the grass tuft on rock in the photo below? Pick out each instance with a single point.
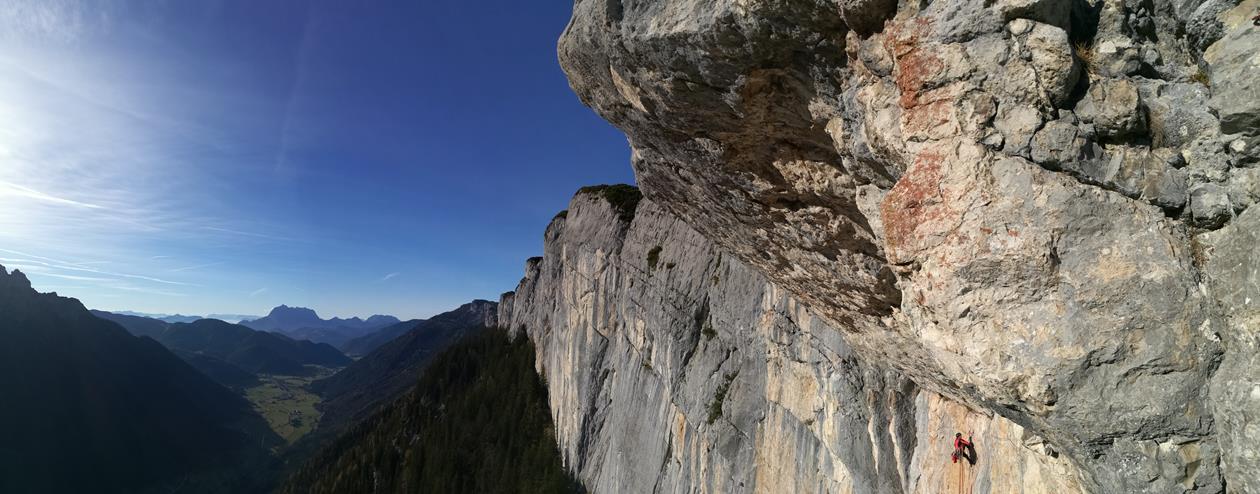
(1085, 53)
(624, 198)
(1200, 77)
(719, 396)
(653, 257)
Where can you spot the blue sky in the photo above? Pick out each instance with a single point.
(353, 157)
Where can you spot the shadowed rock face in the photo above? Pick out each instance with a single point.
(998, 200)
(695, 374)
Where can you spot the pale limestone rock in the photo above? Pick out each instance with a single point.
(1063, 298)
(633, 357)
(1244, 187)
(1051, 56)
(1010, 459)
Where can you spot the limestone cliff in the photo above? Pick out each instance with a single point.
(1021, 208)
(674, 368)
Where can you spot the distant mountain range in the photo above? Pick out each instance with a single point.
(298, 323)
(91, 408)
(364, 345)
(232, 318)
(88, 407)
(304, 324)
(208, 344)
(386, 372)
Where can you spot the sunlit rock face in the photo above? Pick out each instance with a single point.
(1232, 272)
(1000, 201)
(687, 371)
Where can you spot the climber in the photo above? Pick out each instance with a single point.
(961, 445)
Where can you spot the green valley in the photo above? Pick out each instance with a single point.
(287, 404)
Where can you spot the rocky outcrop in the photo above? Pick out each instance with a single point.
(1233, 273)
(996, 200)
(1232, 66)
(674, 368)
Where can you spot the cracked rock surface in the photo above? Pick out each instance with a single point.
(1002, 201)
(693, 373)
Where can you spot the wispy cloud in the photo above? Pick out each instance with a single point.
(74, 277)
(388, 277)
(69, 290)
(57, 20)
(41, 269)
(130, 170)
(132, 288)
(15, 189)
(120, 196)
(98, 159)
(297, 92)
(196, 267)
(71, 266)
(245, 233)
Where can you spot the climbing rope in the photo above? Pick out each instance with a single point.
(960, 478)
(965, 480)
(965, 474)
(971, 474)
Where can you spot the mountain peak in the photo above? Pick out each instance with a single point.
(294, 312)
(304, 324)
(382, 319)
(16, 279)
(84, 385)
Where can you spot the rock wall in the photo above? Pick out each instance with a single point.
(1233, 273)
(1002, 201)
(672, 367)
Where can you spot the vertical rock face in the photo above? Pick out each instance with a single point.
(1233, 273)
(672, 367)
(994, 199)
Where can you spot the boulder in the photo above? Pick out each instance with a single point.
(1115, 108)
(1209, 205)
(1244, 187)
(1178, 113)
(1232, 68)
(1058, 142)
(1051, 56)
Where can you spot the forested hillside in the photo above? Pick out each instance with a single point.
(477, 421)
(89, 408)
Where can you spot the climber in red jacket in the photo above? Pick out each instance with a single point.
(960, 446)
